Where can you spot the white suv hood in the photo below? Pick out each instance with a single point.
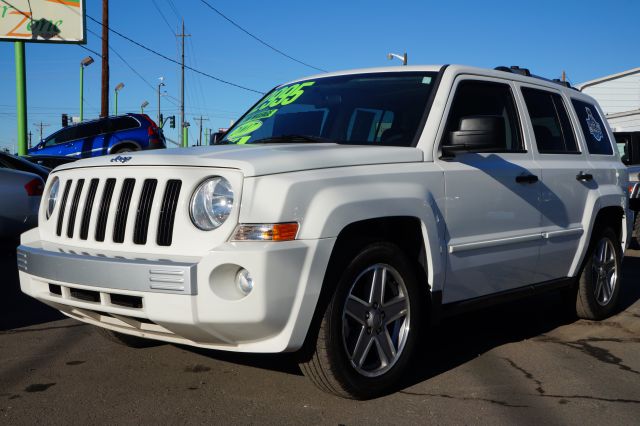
(256, 160)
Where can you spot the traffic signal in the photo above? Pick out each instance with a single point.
(65, 120)
(172, 121)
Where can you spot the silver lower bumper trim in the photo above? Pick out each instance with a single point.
(108, 272)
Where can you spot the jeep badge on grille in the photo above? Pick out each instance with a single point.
(120, 159)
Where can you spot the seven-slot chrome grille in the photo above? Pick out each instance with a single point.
(98, 209)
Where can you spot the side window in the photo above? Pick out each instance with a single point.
(550, 121)
(123, 123)
(482, 98)
(595, 132)
(62, 136)
(88, 130)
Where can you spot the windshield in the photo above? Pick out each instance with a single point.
(378, 109)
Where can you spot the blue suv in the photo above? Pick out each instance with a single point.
(110, 135)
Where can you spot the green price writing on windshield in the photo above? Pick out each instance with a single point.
(253, 121)
(285, 95)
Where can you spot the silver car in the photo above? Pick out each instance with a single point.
(20, 194)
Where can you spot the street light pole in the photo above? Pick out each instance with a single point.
(83, 63)
(142, 107)
(119, 87)
(403, 57)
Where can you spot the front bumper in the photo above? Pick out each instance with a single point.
(186, 300)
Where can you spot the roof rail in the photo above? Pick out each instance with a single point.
(525, 71)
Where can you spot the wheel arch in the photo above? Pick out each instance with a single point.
(123, 144)
(612, 215)
(409, 233)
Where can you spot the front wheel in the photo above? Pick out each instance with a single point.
(370, 328)
(599, 281)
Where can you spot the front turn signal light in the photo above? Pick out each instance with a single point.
(266, 232)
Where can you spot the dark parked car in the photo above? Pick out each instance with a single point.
(21, 186)
(110, 135)
(8, 161)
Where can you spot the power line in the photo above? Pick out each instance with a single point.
(258, 39)
(92, 51)
(174, 9)
(174, 61)
(163, 17)
(151, 86)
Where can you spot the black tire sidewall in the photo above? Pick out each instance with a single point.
(356, 384)
(587, 284)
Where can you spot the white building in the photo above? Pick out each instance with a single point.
(619, 97)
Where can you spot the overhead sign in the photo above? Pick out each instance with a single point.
(45, 21)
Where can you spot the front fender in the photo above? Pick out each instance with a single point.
(325, 201)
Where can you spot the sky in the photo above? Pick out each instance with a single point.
(587, 39)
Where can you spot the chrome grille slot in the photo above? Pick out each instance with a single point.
(122, 211)
(63, 205)
(74, 208)
(144, 211)
(168, 212)
(86, 215)
(103, 215)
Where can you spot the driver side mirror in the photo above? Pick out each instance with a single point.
(477, 133)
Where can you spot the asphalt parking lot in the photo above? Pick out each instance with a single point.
(524, 362)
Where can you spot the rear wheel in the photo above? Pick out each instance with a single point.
(370, 328)
(599, 281)
(123, 149)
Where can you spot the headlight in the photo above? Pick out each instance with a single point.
(52, 197)
(211, 203)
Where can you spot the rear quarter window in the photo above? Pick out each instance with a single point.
(123, 123)
(594, 130)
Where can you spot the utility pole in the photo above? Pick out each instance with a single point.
(41, 125)
(183, 142)
(160, 84)
(104, 105)
(200, 119)
(30, 137)
(21, 97)
(564, 76)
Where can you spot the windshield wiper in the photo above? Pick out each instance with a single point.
(293, 138)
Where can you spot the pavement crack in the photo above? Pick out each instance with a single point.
(528, 375)
(465, 398)
(594, 398)
(601, 354)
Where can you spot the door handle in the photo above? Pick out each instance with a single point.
(583, 177)
(527, 178)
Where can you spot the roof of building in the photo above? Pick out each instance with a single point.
(586, 84)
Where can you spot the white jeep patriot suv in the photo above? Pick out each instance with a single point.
(341, 215)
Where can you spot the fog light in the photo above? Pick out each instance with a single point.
(244, 280)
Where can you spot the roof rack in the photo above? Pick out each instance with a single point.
(514, 69)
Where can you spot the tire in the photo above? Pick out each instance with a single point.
(123, 149)
(600, 277)
(366, 338)
(126, 339)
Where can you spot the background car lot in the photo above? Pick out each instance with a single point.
(513, 363)
(109, 135)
